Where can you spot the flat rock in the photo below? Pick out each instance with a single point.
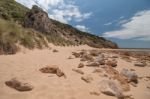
(87, 78)
(93, 64)
(140, 64)
(18, 85)
(78, 71)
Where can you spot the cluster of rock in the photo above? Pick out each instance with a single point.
(117, 84)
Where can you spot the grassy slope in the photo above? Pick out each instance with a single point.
(12, 33)
(11, 10)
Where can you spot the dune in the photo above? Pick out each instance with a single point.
(25, 65)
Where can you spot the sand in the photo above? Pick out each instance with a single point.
(26, 64)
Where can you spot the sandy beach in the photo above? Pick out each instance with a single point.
(25, 66)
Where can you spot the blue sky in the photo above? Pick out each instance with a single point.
(125, 22)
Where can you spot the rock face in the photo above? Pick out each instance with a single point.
(16, 84)
(38, 19)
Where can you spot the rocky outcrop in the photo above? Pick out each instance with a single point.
(38, 19)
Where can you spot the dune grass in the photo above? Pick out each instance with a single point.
(11, 34)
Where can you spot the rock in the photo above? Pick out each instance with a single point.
(87, 78)
(95, 52)
(133, 84)
(93, 64)
(77, 55)
(49, 69)
(60, 73)
(55, 51)
(131, 75)
(100, 60)
(115, 56)
(78, 71)
(148, 87)
(140, 64)
(53, 69)
(114, 74)
(128, 96)
(70, 57)
(111, 88)
(97, 71)
(20, 86)
(112, 63)
(81, 65)
(87, 57)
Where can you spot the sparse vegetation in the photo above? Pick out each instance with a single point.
(11, 10)
(11, 33)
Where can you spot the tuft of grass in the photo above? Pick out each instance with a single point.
(11, 34)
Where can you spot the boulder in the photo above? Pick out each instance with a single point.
(131, 75)
(87, 78)
(53, 69)
(18, 85)
(111, 88)
(78, 71)
(114, 74)
(81, 65)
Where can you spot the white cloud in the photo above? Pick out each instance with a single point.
(137, 28)
(82, 28)
(61, 10)
(109, 23)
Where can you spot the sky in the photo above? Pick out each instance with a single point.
(126, 22)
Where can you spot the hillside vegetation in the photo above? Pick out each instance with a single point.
(32, 28)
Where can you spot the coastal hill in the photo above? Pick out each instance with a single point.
(32, 28)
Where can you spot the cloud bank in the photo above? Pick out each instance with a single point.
(61, 10)
(138, 28)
